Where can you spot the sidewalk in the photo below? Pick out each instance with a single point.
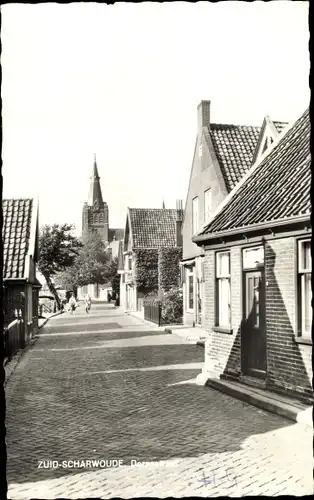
(194, 335)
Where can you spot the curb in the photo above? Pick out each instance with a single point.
(47, 319)
(279, 408)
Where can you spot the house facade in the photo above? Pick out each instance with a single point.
(146, 232)
(258, 266)
(20, 256)
(222, 156)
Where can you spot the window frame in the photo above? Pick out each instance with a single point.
(302, 272)
(208, 190)
(189, 274)
(218, 278)
(195, 219)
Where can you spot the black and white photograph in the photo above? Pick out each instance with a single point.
(156, 250)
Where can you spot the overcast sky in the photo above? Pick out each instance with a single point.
(123, 81)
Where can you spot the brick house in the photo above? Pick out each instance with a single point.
(257, 246)
(20, 256)
(146, 231)
(222, 156)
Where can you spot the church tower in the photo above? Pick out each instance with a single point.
(95, 211)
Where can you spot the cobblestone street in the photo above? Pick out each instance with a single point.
(104, 386)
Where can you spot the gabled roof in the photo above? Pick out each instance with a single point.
(275, 189)
(268, 134)
(234, 146)
(19, 236)
(152, 227)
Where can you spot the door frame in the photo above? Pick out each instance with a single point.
(257, 373)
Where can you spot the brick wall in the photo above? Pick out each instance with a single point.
(289, 364)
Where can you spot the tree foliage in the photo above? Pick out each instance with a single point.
(92, 264)
(58, 248)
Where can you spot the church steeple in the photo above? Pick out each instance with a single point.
(95, 196)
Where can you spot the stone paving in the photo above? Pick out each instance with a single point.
(103, 387)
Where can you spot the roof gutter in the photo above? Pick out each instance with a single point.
(256, 227)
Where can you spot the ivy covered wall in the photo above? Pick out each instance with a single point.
(169, 268)
(146, 269)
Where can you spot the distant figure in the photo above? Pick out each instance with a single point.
(88, 302)
(109, 297)
(117, 300)
(72, 304)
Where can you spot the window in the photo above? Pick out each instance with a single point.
(207, 205)
(253, 257)
(130, 263)
(190, 289)
(305, 288)
(195, 215)
(223, 305)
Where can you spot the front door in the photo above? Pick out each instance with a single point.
(253, 325)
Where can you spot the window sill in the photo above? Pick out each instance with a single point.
(219, 329)
(303, 340)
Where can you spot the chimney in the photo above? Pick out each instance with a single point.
(203, 116)
(179, 220)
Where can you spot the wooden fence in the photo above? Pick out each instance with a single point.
(14, 339)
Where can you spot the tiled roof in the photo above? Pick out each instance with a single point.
(17, 215)
(234, 146)
(153, 227)
(278, 188)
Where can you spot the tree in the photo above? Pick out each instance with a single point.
(112, 274)
(58, 248)
(90, 266)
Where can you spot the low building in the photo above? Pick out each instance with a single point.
(223, 154)
(258, 268)
(148, 232)
(20, 256)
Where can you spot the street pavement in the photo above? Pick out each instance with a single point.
(106, 387)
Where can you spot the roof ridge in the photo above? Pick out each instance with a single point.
(233, 125)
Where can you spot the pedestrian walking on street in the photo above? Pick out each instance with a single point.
(109, 297)
(88, 303)
(72, 304)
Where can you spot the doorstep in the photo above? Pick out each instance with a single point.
(283, 406)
